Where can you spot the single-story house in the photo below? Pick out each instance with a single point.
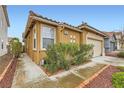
(41, 32)
(110, 42)
(4, 24)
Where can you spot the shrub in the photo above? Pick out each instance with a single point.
(84, 53)
(16, 47)
(120, 54)
(121, 68)
(118, 80)
(62, 56)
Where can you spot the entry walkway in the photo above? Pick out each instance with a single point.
(27, 71)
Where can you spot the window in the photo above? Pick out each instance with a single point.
(72, 39)
(1, 23)
(2, 45)
(47, 36)
(65, 32)
(35, 40)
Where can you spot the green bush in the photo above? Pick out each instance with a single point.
(121, 68)
(118, 80)
(16, 47)
(120, 54)
(83, 54)
(62, 56)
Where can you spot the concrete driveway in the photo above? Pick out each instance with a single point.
(109, 60)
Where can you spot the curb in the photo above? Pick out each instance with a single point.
(6, 69)
(84, 83)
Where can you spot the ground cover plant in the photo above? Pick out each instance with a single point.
(121, 54)
(118, 80)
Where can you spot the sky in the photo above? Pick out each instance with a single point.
(104, 18)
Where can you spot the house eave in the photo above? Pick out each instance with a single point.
(92, 29)
(6, 14)
(72, 28)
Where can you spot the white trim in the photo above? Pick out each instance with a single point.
(34, 33)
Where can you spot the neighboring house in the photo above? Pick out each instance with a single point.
(4, 24)
(110, 42)
(41, 32)
(119, 37)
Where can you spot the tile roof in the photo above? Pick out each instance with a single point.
(109, 34)
(77, 28)
(34, 14)
(48, 19)
(118, 33)
(84, 24)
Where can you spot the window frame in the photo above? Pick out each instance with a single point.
(2, 45)
(34, 37)
(1, 23)
(41, 29)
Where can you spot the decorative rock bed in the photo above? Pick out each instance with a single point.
(102, 79)
(7, 76)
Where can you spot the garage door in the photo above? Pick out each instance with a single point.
(97, 49)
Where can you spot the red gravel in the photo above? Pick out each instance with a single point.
(4, 61)
(113, 53)
(103, 80)
(6, 82)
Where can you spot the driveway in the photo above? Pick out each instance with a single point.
(28, 74)
(109, 60)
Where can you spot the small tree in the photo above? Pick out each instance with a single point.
(16, 47)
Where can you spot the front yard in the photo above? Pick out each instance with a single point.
(67, 66)
(24, 76)
(71, 78)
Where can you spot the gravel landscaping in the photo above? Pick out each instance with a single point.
(4, 61)
(113, 53)
(6, 81)
(104, 79)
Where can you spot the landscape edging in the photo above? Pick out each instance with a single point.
(87, 81)
(7, 76)
(6, 69)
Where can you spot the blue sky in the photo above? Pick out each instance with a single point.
(105, 18)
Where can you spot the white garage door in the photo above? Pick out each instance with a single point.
(97, 49)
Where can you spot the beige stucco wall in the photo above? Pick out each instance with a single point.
(94, 36)
(72, 35)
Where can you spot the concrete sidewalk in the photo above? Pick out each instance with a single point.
(109, 60)
(27, 71)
